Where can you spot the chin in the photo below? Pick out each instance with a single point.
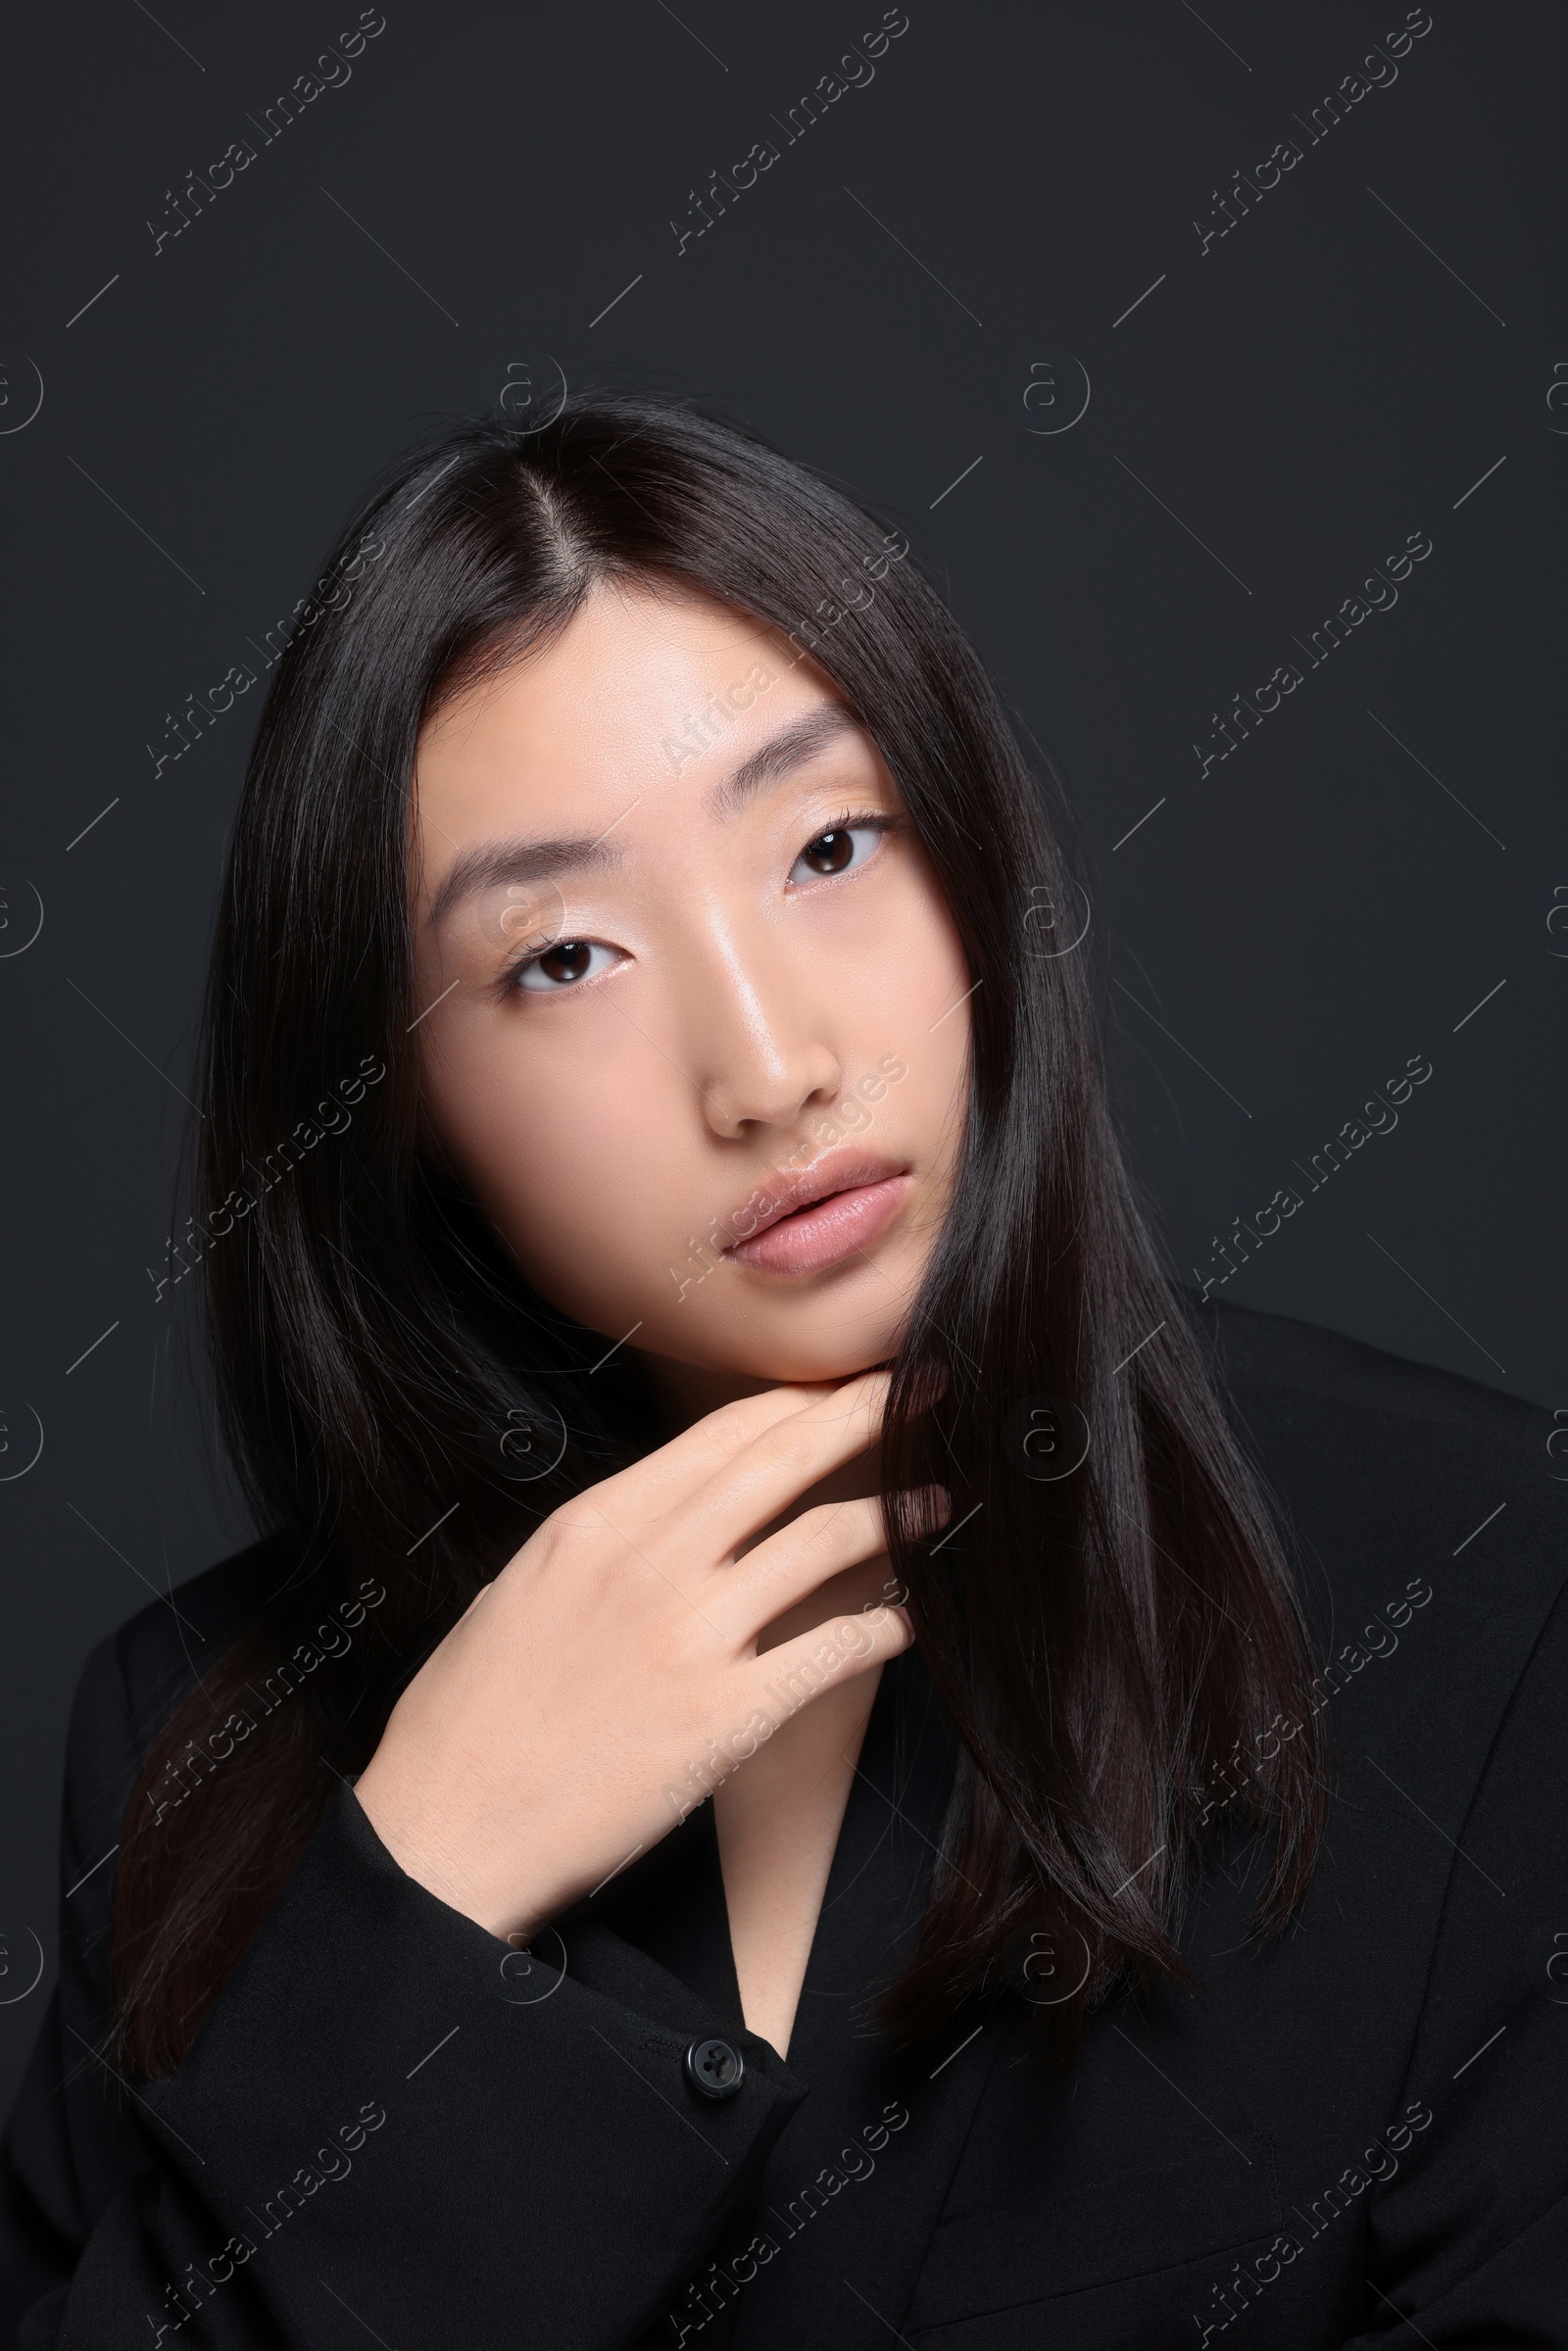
(804, 1337)
(807, 1356)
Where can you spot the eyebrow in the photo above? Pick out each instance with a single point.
(791, 748)
(487, 864)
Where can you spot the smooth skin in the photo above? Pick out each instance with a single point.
(628, 1041)
(532, 1754)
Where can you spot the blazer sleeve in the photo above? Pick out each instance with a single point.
(1468, 2243)
(389, 2117)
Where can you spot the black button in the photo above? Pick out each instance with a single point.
(714, 2069)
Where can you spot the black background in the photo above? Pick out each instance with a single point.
(988, 213)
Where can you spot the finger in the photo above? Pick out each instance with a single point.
(684, 1463)
(754, 1486)
(792, 1564)
(784, 1680)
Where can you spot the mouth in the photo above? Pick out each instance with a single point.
(842, 1203)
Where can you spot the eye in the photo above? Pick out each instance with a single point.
(846, 845)
(558, 967)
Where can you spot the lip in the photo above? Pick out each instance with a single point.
(839, 1205)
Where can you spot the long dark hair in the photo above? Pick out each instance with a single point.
(1116, 1621)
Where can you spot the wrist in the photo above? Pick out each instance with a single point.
(447, 1868)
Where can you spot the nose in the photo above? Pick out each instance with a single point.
(759, 1041)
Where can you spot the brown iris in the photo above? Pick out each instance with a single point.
(831, 851)
(567, 959)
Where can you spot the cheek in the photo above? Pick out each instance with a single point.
(560, 1143)
(913, 989)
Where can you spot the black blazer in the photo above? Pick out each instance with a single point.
(394, 2130)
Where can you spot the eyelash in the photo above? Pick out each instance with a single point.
(877, 820)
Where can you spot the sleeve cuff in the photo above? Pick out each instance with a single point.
(454, 2134)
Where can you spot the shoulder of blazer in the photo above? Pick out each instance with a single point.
(130, 1684)
(163, 1651)
(1391, 1478)
(1249, 1349)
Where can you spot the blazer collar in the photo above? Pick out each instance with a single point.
(850, 2192)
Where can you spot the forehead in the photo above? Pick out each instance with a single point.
(600, 711)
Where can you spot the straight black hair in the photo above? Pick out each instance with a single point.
(1112, 1623)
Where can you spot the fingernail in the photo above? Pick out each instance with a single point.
(908, 1621)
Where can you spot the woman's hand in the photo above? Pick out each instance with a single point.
(544, 1742)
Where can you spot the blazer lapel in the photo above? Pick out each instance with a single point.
(852, 2187)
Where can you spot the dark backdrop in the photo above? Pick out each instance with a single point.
(1288, 379)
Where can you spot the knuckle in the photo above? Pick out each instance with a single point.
(564, 1540)
(827, 1521)
(565, 1523)
(783, 1447)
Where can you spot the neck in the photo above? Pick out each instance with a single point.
(684, 1392)
(687, 1392)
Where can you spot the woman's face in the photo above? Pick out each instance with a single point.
(679, 954)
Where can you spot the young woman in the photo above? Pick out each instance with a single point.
(812, 1751)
